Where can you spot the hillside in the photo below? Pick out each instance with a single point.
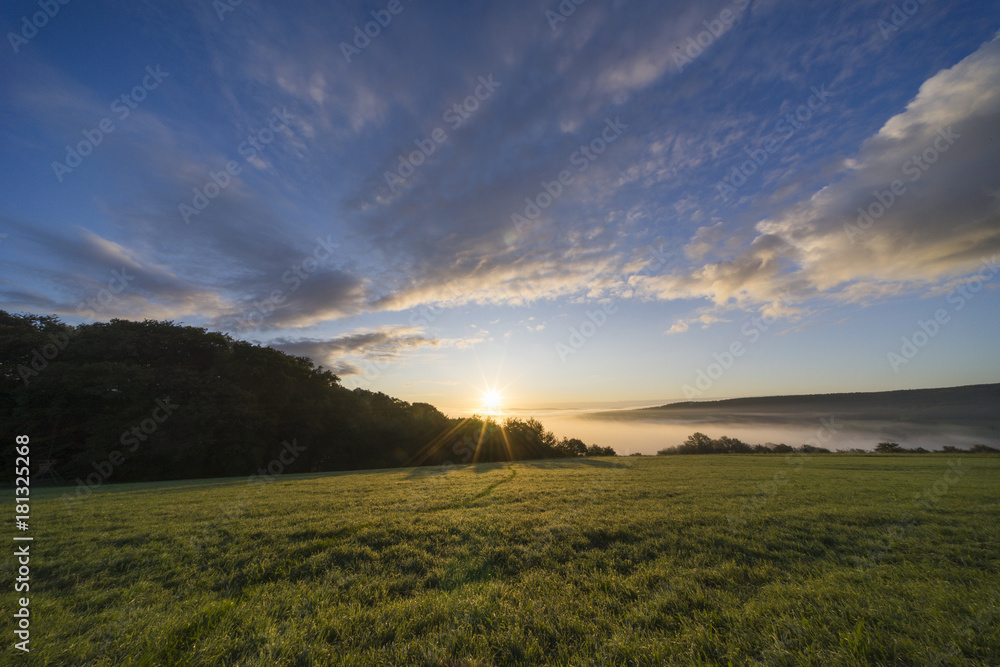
(973, 404)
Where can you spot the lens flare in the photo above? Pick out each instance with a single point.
(492, 402)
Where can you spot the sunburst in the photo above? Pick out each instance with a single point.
(492, 402)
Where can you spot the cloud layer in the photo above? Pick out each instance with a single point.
(918, 205)
(542, 163)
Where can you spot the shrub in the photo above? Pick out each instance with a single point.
(597, 450)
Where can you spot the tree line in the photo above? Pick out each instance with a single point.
(699, 443)
(154, 400)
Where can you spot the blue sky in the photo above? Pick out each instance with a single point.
(642, 202)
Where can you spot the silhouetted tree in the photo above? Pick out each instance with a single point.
(96, 391)
(573, 447)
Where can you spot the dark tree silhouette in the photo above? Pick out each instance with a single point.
(153, 400)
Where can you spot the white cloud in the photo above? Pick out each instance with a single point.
(945, 218)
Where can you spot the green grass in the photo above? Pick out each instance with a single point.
(684, 560)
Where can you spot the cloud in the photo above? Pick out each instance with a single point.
(706, 319)
(943, 219)
(294, 302)
(384, 342)
(446, 237)
(102, 279)
(350, 352)
(510, 278)
(705, 241)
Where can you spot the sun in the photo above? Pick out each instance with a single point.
(492, 402)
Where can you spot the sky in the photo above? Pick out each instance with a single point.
(575, 204)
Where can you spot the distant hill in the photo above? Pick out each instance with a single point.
(970, 405)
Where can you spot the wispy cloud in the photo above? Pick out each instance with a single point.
(384, 344)
(815, 247)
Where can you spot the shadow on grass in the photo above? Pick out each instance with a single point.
(425, 471)
(575, 463)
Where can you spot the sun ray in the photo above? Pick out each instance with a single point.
(479, 445)
(506, 443)
(492, 402)
(428, 450)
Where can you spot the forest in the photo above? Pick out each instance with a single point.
(154, 400)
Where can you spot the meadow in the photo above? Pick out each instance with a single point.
(683, 560)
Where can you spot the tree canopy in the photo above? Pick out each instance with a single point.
(155, 400)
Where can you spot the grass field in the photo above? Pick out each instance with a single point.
(687, 560)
